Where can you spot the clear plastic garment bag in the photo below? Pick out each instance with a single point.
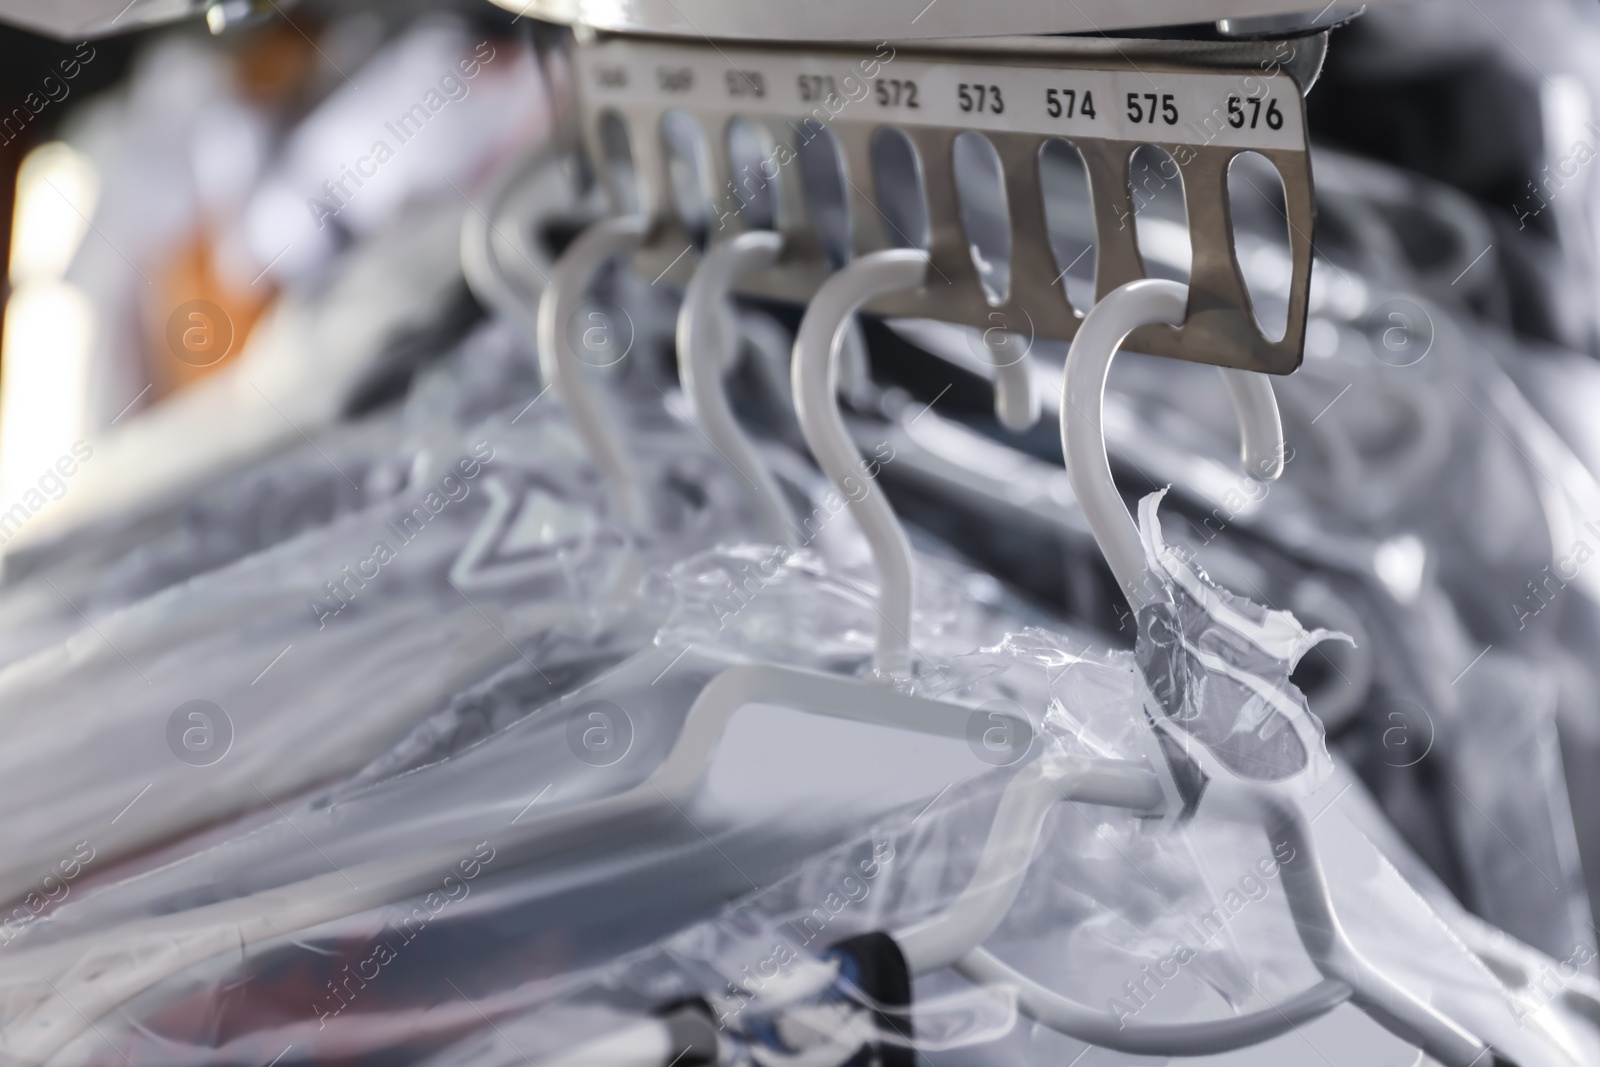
(770, 625)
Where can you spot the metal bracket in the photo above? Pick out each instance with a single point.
(1203, 103)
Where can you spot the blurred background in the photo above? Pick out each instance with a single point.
(164, 173)
(146, 170)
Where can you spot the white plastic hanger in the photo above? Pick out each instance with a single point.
(814, 386)
(815, 373)
(93, 976)
(1016, 405)
(1083, 440)
(491, 283)
(705, 313)
(569, 281)
(954, 937)
(707, 345)
(84, 978)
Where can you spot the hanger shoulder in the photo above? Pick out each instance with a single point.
(803, 690)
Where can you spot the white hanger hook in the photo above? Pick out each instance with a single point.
(1016, 405)
(491, 283)
(707, 346)
(1261, 445)
(569, 282)
(1104, 328)
(816, 381)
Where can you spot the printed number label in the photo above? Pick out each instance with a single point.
(815, 87)
(896, 92)
(675, 79)
(1153, 104)
(1062, 103)
(746, 83)
(975, 97)
(1249, 111)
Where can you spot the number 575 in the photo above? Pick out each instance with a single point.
(1154, 104)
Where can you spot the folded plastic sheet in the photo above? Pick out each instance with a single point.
(1515, 574)
(1445, 731)
(1079, 928)
(1514, 792)
(1152, 923)
(1218, 668)
(1392, 454)
(1088, 923)
(1556, 988)
(500, 744)
(1397, 700)
(315, 656)
(750, 823)
(1118, 887)
(1549, 409)
(257, 509)
(54, 589)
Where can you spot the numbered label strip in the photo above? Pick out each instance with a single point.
(1103, 105)
(1255, 110)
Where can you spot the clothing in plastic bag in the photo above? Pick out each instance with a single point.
(348, 636)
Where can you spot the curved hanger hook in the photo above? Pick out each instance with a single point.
(816, 381)
(707, 345)
(1016, 405)
(1083, 387)
(1261, 447)
(569, 281)
(486, 276)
